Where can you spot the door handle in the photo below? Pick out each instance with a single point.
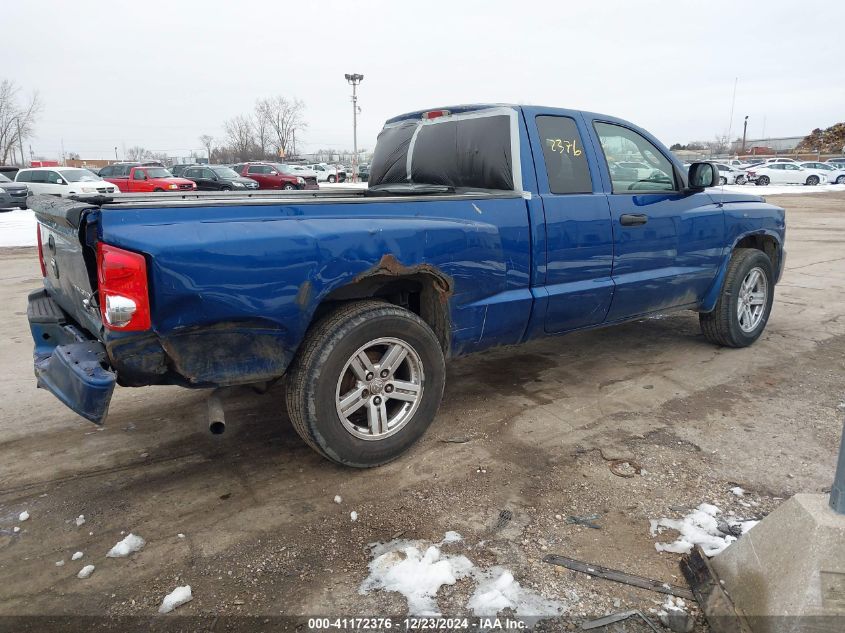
(633, 219)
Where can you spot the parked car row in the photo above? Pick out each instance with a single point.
(781, 171)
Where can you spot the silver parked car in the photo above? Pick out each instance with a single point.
(12, 194)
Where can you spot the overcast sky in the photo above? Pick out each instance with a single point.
(161, 73)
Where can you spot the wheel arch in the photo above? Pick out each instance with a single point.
(423, 289)
(763, 240)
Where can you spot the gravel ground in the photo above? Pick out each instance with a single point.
(524, 440)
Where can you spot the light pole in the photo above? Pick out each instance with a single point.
(354, 80)
(744, 129)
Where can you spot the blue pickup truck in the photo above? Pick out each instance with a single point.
(482, 225)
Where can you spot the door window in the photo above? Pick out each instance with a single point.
(790, 167)
(24, 176)
(258, 169)
(105, 172)
(564, 155)
(207, 174)
(192, 173)
(622, 145)
(139, 175)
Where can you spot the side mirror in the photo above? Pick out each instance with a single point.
(703, 175)
(60, 182)
(274, 173)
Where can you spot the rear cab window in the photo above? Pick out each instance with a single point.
(564, 155)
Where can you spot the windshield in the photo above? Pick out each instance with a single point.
(78, 175)
(225, 172)
(157, 172)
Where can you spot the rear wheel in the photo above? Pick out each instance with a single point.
(225, 188)
(840, 180)
(723, 180)
(332, 179)
(763, 181)
(813, 181)
(740, 180)
(289, 187)
(366, 383)
(743, 308)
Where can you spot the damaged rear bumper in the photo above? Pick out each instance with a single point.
(69, 364)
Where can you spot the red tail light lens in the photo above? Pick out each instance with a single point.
(435, 114)
(40, 251)
(123, 289)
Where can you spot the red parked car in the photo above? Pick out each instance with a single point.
(132, 179)
(275, 176)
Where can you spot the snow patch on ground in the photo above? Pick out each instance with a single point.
(739, 492)
(80, 520)
(17, 228)
(497, 590)
(700, 527)
(23, 516)
(353, 515)
(338, 499)
(773, 190)
(176, 598)
(418, 569)
(85, 571)
(77, 556)
(127, 546)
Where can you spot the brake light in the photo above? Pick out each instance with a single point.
(40, 251)
(123, 289)
(434, 114)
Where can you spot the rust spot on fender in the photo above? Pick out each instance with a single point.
(389, 266)
(303, 295)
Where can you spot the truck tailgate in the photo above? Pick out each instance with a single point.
(69, 262)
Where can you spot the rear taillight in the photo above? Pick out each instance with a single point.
(40, 251)
(435, 114)
(123, 290)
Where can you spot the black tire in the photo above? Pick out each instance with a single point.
(741, 180)
(812, 181)
(312, 381)
(722, 180)
(225, 188)
(158, 190)
(289, 187)
(332, 179)
(840, 180)
(762, 181)
(23, 207)
(721, 326)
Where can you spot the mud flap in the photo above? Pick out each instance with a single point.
(76, 375)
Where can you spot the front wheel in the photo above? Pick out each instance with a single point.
(366, 383)
(332, 179)
(813, 181)
(158, 190)
(722, 180)
(840, 180)
(743, 308)
(289, 187)
(740, 180)
(762, 181)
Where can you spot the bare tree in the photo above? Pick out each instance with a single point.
(240, 137)
(207, 140)
(17, 121)
(719, 145)
(284, 117)
(137, 153)
(261, 128)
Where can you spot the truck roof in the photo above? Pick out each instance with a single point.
(471, 107)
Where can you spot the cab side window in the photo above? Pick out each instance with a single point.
(139, 175)
(563, 153)
(620, 145)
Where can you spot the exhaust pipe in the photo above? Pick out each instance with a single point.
(216, 416)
